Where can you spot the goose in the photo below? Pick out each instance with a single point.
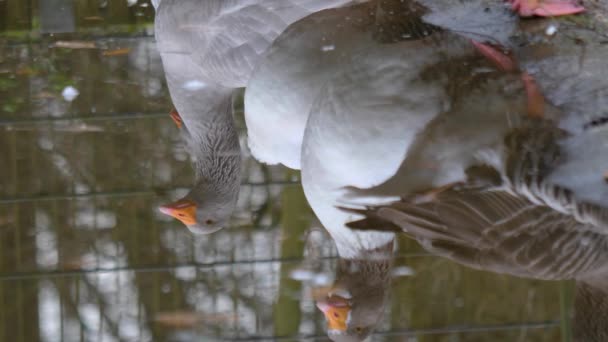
(208, 49)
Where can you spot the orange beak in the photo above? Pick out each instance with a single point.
(336, 310)
(183, 210)
(176, 118)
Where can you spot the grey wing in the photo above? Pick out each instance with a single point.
(496, 231)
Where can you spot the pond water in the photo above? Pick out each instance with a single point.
(267, 127)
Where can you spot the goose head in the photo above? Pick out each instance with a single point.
(212, 142)
(203, 214)
(208, 207)
(354, 304)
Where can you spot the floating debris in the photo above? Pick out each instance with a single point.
(402, 271)
(326, 48)
(46, 143)
(6, 220)
(25, 71)
(551, 30)
(117, 52)
(93, 18)
(131, 2)
(45, 95)
(302, 275)
(190, 319)
(74, 44)
(69, 93)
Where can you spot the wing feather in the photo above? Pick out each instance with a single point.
(499, 231)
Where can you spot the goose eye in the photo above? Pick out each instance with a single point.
(209, 222)
(358, 329)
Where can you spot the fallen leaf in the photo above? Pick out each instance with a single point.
(117, 52)
(189, 319)
(93, 18)
(76, 263)
(75, 44)
(45, 95)
(220, 317)
(25, 71)
(5, 220)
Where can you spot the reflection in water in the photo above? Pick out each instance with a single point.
(354, 297)
(354, 304)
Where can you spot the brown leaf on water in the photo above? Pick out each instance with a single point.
(116, 52)
(190, 319)
(221, 317)
(76, 263)
(75, 44)
(93, 18)
(6, 220)
(178, 319)
(26, 70)
(45, 95)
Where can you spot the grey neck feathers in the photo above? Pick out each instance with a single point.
(213, 143)
(217, 159)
